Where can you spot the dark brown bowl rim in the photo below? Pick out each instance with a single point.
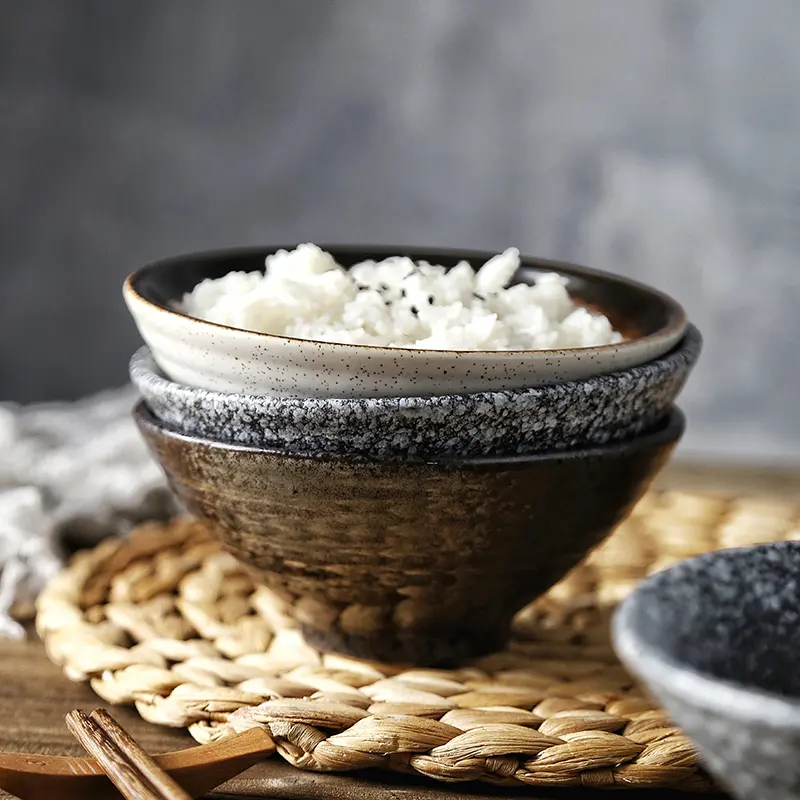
(675, 324)
(668, 431)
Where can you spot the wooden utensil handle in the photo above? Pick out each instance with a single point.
(120, 771)
(161, 781)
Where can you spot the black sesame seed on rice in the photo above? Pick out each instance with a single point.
(391, 293)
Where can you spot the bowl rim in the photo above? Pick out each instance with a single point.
(143, 368)
(676, 324)
(661, 669)
(668, 431)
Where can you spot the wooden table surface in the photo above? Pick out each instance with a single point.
(34, 695)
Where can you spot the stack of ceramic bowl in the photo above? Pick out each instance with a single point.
(406, 503)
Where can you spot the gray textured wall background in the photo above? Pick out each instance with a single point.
(657, 138)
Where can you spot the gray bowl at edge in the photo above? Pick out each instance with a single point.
(716, 639)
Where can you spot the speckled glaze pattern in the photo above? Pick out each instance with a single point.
(716, 639)
(594, 411)
(210, 356)
(401, 560)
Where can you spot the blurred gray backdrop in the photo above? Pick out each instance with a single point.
(656, 138)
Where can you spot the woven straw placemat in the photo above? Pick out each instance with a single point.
(168, 622)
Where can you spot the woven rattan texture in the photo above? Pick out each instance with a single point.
(168, 622)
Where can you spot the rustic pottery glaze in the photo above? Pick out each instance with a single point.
(716, 639)
(596, 410)
(210, 356)
(415, 561)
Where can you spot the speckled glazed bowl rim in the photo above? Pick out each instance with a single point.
(667, 431)
(675, 313)
(658, 667)
(143, 366)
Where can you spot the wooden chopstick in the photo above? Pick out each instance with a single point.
(116, 765)
(124, 760)
(160, 780)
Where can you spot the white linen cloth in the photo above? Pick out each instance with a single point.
(70, 474)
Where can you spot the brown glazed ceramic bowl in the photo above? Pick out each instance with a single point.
(408, 561)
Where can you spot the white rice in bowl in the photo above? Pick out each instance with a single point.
(398, 302)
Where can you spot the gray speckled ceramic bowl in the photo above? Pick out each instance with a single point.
(564, 416)
(717, 641)
(211, 356)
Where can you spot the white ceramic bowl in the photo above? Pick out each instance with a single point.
(210, 356)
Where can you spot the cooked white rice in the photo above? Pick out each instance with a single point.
(400, 303)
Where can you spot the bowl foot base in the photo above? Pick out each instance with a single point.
(433, 650)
